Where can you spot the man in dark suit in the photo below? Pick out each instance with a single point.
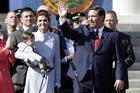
(111, 22)
(94, 66)
(19, 69)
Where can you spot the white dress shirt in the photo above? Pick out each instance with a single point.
(100, 31)
(69, 45)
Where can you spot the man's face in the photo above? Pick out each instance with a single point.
(11, 19)
(111, 21)
(27, 18)
(94, 19)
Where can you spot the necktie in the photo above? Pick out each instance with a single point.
(96, 40)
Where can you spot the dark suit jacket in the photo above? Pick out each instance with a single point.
(19, 68)
(100, 62)
(128, 49)
(129, 54)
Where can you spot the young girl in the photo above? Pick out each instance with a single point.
(6, 56)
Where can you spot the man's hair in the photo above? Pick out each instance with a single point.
(43, 13)
(101, 11)
(27, 35)
(112, 12)
(26, 9)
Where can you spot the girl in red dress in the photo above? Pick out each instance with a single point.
(6, 56)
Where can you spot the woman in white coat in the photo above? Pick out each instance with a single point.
(47, 46)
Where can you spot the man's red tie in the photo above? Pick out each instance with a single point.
(96, 40)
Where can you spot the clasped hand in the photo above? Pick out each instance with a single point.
(42, 65)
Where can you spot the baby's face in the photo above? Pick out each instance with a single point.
(30, 42)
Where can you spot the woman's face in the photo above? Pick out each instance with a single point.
(43, 23)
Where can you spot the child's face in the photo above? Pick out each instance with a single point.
(30, 42)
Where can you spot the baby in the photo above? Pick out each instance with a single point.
(26, 52)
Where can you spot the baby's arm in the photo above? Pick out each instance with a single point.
(21, 54)
(27, 54)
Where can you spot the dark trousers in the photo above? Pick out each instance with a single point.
(87, 85)
(122, 91)
(21, 91)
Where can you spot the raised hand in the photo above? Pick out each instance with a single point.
(62, 9)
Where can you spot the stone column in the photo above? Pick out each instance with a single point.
(128, 11)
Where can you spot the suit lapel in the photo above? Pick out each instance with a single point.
(21, 30)
(103, 38)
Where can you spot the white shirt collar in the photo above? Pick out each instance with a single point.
(25, 27)
(100, 31)
(43, 33)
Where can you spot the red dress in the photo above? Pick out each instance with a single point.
(6, 85)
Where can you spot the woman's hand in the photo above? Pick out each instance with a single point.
(1, 35)
(62, 9)
(8, 43)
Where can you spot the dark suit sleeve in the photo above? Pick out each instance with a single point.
(14, 40)
(130, 56)
(120, 64)
(68, 32)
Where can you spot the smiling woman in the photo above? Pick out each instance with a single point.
(47, 46)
